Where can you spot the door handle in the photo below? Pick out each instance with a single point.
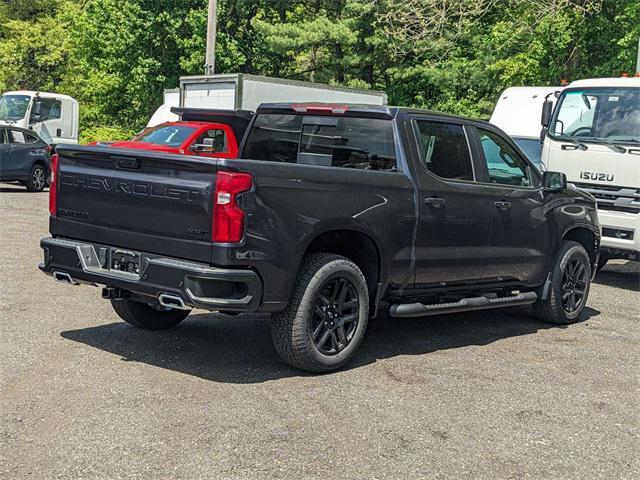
(434, 201)
(502, 205)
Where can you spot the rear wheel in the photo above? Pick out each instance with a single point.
(37, 178)
(326, 319)
(146, 316)
(570, 283)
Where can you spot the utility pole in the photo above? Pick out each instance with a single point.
(638, 61)
(210, 62)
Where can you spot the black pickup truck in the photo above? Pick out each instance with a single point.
(331, 213)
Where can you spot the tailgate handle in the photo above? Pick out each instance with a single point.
(127, 162)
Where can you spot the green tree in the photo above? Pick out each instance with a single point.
(117, 56)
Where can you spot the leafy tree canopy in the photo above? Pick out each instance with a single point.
(117, 56)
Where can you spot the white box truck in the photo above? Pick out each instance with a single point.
(54, 117)
(517, 113)
(593, 135)
(239, 91)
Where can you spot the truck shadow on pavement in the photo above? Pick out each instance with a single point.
(238, 349)
(625, 276)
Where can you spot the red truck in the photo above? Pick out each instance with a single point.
(209, 133)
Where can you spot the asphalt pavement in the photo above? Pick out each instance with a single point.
(493, 394)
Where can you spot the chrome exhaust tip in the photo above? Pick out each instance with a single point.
(172, 301)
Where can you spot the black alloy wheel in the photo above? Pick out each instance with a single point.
(568, 290)
(326, 317)
(335, 315)
(574, 284)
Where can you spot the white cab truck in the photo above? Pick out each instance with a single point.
(592, 134)
(517, 113)
(52, 116)
(239, 91)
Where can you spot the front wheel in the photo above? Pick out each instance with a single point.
(326, 319)
(570, 283)
(146, 316)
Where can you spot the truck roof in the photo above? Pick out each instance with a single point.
(607, 82)
(349, 109)
(44, 94)
(240, 77)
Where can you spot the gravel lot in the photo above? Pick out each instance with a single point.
(480, 395)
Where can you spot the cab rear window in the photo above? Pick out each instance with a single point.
(344, 142)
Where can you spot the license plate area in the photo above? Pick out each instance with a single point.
(124, 261)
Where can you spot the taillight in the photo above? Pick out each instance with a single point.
(53, 189)
(228, 217)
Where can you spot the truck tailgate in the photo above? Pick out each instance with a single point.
(145, 201)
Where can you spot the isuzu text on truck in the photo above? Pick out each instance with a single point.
(593, 135)
(331, 213)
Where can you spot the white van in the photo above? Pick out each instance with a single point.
(517, 113)
(52, 116)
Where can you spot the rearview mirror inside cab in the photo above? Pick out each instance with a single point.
(554, 181)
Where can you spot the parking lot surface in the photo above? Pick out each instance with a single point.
(493, 394)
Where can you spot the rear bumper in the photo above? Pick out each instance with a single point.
(198, 285)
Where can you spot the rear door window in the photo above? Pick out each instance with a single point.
(444, 150)
(3, 137)
(21, 138)
(18, 137)
(344, 142)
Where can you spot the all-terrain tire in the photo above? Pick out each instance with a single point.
(142, 315)
(291, 328)
(553, 309)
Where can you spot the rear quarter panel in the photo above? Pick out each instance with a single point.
(292, 204)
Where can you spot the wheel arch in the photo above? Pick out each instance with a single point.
(358, 246)
(40, 161)
(588, 239)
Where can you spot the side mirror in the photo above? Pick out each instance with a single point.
(543, 134)
(554, 181)
(36, 112)
(37, 108)
(547, 110)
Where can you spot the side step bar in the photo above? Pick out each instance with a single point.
(403, 310)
